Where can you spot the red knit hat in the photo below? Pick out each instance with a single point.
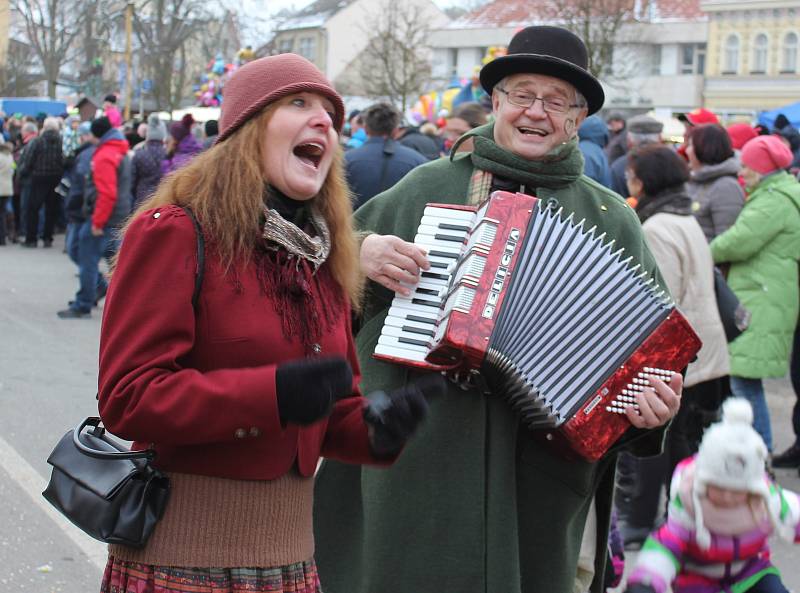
(263, 81)
(699, 116)
(766, 154)
(741, 134)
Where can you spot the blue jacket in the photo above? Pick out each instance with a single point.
(593, 135)
(377, 166)
(77, 178)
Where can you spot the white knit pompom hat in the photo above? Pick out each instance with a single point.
(732, 455)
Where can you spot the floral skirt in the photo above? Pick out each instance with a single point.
(132, 577)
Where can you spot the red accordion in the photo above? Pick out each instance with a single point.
(545, 312)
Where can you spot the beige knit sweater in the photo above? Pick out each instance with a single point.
(222, 523)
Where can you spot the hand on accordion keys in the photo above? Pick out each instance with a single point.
(657, 404)
(388, 260)
(394, 416)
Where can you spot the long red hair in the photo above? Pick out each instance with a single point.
(224, 187)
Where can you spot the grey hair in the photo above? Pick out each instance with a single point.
(638, 139)
(51, 123)
(29, 127)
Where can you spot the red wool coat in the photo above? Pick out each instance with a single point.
(200, 384)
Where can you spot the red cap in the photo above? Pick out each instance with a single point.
(264, 81)
(740, 134)
(700, 116)
(766, 154)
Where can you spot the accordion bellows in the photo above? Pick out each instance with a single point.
(550, 315)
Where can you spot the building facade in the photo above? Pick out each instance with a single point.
(659, 58)
(753, 54)
(333, 34)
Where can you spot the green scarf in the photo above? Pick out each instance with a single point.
(560, 167)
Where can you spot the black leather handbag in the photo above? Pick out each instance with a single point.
(111, 493)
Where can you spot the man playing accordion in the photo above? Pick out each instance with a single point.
(477, 503)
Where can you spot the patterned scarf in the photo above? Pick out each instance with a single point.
(291, 273)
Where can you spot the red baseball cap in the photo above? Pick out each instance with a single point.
(699, 116)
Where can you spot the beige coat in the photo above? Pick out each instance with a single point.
(6, 174)
(684, 258)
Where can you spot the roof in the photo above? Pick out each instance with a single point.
(520, 13)
(314, 15)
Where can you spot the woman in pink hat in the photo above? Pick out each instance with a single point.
(763, 248)
(241, 389)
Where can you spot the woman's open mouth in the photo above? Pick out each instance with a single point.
(310, 153)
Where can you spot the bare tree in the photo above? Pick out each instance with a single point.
(599, 23)
(395, 63)
(19, 76)
(163, 29)
(50, 28)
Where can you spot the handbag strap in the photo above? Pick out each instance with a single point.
(201, 255)
(99, 432)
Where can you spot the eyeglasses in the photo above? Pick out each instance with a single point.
(549, 104)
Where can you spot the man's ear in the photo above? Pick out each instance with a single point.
(495, 100)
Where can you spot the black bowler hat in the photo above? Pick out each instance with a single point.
(552, 51)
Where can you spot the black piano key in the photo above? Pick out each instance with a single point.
(453, 238)
(418, 330)
(435, 276)
(419, 319)
(453, 227)
(437, 264)
(425, 303)
(444, 254)
(412, 341)
(430, 291)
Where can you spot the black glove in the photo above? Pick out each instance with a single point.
(394, 416)
(306, 389)
(639, 588)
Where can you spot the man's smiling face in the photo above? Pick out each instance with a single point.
(532, 132)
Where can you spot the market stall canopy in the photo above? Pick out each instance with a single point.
(792, 113)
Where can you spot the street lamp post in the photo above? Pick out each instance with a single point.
(128, 56)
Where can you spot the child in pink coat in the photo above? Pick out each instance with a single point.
(723, 509)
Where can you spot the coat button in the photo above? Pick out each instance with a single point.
(254, 432)
(157, 214)
(240, 433)
(316, 348)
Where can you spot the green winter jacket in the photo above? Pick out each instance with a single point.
(474, 504)
(763, 248)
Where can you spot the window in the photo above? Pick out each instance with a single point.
(687, 58)
(655, 61)
(452, 65)
(789, 65)
(285, 45)
(731, 55)
(307, 48)
(693, 58)
(760, 51)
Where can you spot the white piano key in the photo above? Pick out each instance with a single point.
(398, 343)
(401, 353)
(449, 213)
(402, 322)
(431, 242)
(400, 332)
(403, 310)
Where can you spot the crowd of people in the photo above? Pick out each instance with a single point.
(241, 390)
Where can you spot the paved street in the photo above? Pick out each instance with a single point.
(48, 374)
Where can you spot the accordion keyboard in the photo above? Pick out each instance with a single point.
(412, 321)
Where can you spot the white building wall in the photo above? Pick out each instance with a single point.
(348, 30)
